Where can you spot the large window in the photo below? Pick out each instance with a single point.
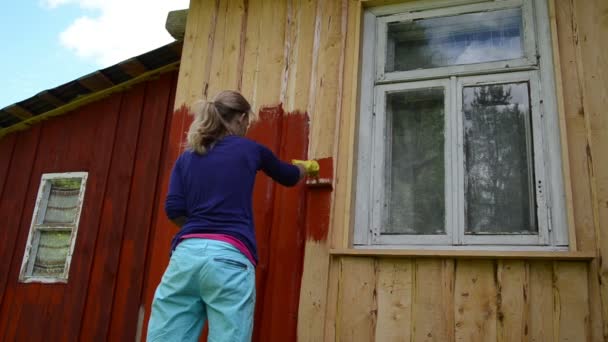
(54, 226)
(458, 137)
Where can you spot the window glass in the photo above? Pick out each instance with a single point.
(62, 203)
(498, 159)
(415, 189)
(51, 254)
(454, 40)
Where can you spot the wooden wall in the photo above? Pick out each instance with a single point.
(305, 55)
(119, 141)
(459, 299)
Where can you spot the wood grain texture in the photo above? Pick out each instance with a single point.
(540, 322)
(475, 301)
(512, 303)
(300, 38)
(357, 305)
(394, 283)
(571, 301)
(195, 63)
(433, 293)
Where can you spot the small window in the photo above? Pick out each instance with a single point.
(458, 139)
(54, 226)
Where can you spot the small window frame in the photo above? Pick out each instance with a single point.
(29, 256)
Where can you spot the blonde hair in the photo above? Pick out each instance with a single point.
(211, 119)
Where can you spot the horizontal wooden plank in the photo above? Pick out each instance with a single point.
(464, 254)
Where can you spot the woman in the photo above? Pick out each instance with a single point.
(211, 274)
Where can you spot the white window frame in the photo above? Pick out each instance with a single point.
(548, 177)
(525, 62)
(25, 275)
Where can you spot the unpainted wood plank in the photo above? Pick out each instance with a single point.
(103, 281)
(331, 310)
(303, 14)
(571, 301)
(316, 275)
(195, 63)
(347, 126)
(591, 21)
(357, 307)
(431, 305)
(541, 324)
(251, 52)
(326, 82)
(226, 47)
(464, 254)
(512, 304)
(475, 300)
(394, 292)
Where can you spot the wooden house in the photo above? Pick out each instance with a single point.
(463, 193)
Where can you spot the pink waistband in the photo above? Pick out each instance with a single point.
(225, 238)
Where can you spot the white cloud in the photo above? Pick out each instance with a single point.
(118, 29)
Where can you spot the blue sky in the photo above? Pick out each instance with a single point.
(50, 42)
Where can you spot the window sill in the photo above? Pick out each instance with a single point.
(463, 254)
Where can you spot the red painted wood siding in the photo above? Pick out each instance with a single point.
(119, 140)
(280, 219)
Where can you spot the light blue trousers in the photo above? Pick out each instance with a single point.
(205, 280)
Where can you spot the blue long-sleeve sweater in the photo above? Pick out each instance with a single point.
(214, 191)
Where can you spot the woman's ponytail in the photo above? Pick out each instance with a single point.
(211, 120)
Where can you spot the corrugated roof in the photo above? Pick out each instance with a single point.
(69, 95)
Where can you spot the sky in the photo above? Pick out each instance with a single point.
(46, 43)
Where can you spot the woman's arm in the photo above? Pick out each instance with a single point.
(175, 203)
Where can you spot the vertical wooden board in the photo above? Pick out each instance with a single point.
(571, 301)
(22, 295)
(357, 305)
(591, 20)
(347, 126)
(141, 208)
(11, 214)
(271, 63)
(286, 241)
(541, 325)
(326, 82)
(191, 85)
(568, 38)
(266, 131)
(251, 52)
(394, 291)
(226, 47)
(314, 293)
(96, 123)
(102, 282)
(196, 57)
(475, 300)
(7, 145)
(264, 55)
(512, 303)
(300, 40)
(52, 156)
(432, 301)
